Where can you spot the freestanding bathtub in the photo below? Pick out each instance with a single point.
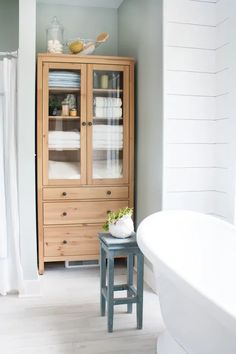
(194, 261)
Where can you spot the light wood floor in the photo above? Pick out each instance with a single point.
(66, 319)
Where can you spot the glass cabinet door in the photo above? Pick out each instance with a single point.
(64, 136)
(108, 124)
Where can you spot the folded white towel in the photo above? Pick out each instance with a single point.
(64, 146)
(107, 146)
(63, 170)
(107, 102)
(71, 170)
(107, 169)
(64, 135)
(108, 112)
(108, 129)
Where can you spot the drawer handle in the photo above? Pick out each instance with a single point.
(64, 194)
(83, 123)
(108, 211)
(64, 242)
(64, 213)
(108, 192)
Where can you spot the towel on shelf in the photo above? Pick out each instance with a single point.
(63, 139)
(108, 137)
(108, 112)
(62, 78)
(63, 170)
(107, 102)
(108, 144)
(63, 135)
(108, 128)
(71, 170)
(64, 145)
(107, 169)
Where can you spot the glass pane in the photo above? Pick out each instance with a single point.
(107, 124)
(64, 124)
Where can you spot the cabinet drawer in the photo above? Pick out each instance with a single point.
(79, 212)
(71, 241)
(86, 193)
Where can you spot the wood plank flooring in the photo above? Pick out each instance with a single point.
(66, 318)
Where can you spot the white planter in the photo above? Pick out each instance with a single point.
(123, 228)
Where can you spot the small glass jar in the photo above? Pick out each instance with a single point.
(55, 37)
(65, 109)
(73, 112)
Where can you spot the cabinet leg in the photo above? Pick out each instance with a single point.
(41, 268)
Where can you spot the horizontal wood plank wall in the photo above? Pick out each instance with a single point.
(196, 122)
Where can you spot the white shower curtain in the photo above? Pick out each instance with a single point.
(11, 278)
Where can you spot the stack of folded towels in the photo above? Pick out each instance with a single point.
(108, 107)
(63, 78)
(63, 139)
(108, 137)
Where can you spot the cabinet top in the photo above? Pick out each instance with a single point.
(88, 59)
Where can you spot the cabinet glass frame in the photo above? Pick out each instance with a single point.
(45, 104)
(90, 119)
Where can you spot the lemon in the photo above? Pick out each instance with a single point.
(76, 47)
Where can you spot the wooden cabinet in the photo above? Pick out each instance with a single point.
(85, 150)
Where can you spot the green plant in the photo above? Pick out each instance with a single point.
(114, 216)
(54, 102)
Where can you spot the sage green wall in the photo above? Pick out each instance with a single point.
(85, 22)
(9, 25)
(140, 36)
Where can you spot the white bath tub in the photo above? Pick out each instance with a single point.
(194, 260)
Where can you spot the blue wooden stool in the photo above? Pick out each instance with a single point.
(111, 247)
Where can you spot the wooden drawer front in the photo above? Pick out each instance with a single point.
(86, 193)
(79, 212)
(71, 241)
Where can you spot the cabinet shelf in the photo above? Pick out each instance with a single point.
(63, 117)
(64, 89)
(63, 149)
(107, 149)
(107, 90)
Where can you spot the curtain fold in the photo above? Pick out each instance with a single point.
(11, 275)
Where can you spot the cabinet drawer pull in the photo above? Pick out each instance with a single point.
(64, 242)
(108, 211)
(64, 213)
(108, 192)
(64, 194)
(83, 123)
(90, 123)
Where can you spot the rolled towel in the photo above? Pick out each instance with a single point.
(107, 102)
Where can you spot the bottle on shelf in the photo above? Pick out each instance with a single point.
(115, 81)
(95, 80)
(104, 81)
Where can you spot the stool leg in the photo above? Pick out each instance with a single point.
(102, 280)
(130, 265)
(139, 307)
(110, 293)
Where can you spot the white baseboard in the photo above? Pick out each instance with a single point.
(31, 288)
(149, 277)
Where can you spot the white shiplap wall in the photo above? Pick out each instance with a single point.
(197, 172)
